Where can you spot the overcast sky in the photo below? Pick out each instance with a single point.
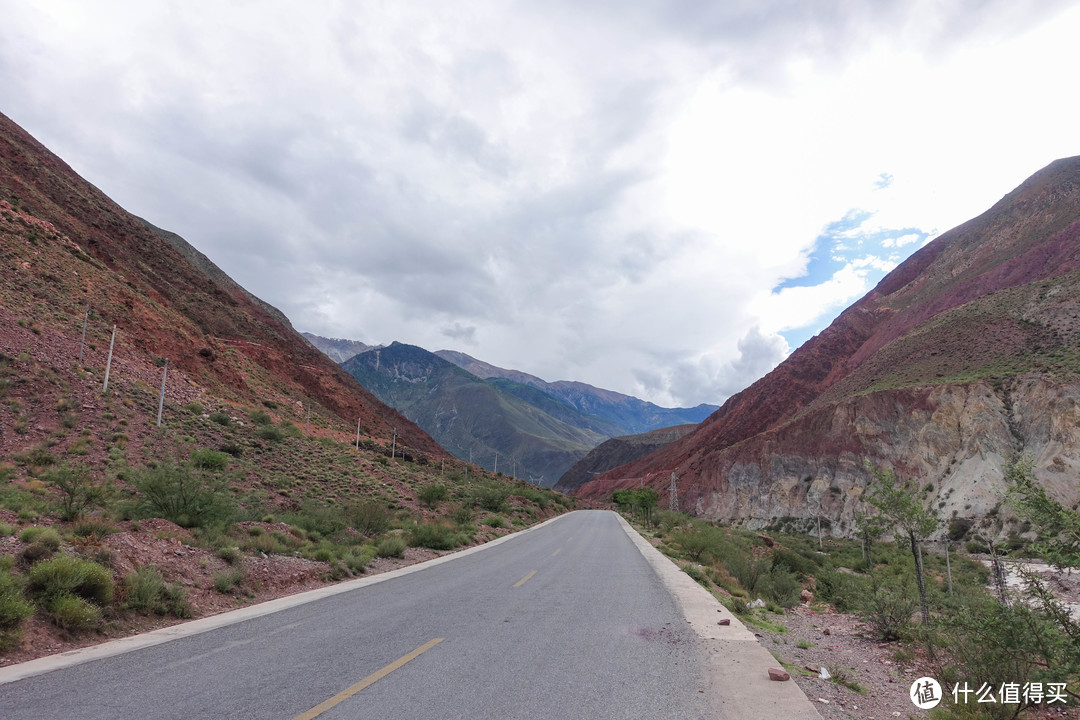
(659, 198)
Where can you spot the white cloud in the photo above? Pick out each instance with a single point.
(606, 192)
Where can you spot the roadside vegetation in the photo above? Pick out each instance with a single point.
(945, 616)
(241, 483)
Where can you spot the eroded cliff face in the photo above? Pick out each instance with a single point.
(955, 438)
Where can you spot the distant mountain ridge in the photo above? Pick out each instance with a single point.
(338, 349)
(618, 451)
(487, 422)
(633, 415)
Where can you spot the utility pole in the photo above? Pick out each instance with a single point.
(357, 433)
(393, 447)
(82, 341)
(496, 462)
(161, 398)
(108, 364)
(673, 494)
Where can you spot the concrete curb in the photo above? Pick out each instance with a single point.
(40, 666)
(738, 669)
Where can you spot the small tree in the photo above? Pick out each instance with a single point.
(78, 489)
(900, 505)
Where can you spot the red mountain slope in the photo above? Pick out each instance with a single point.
(978, 329)
(65, 245)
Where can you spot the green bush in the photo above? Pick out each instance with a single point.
(260, 418)
(435, 536)
(700, 541)
(780, 585)
(432, 494)
(72, 612)
(221, 419)
(370, 517)
(47, 538)
(93, 528)
(144, 587)
(78, 489)
(495, 521)
(490, 496)
(318, 517)
(68, 575)
(184, 496)
(843, 590)
(14, 609)
(697, 573)
(271, 433)
(227, 580)
(392, 546)
(888, 610)
(211, 460)
(6, 530)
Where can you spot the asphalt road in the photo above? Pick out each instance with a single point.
(567, 621)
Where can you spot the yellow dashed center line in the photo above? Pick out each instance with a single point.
(524, 580)
(556, 552)
(369, 680)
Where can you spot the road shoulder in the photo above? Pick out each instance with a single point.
(738, 670)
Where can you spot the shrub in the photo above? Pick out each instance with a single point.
(844, 590)
(357, 561)
(72, 612)
(182, 495)
(210, 460)
(221, 419)
(78, 490)
(227, 580)
(887, 611)
(271, 433)
(144, 587)
(495, 521)
(780, 585)
(490, 496)
(697, 574)
(92, 528)
(229, 554)
(391, 546)
(699, 541)
(461, 514)
(320, 518)
(370, 517)
(431, 495)
(14, 609)
(46, 537)
(434, 535)
(68, 575)
(260, 418)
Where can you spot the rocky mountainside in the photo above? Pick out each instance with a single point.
(338, 349)
(66, 247)
(965, 355)
(630, 414)
(619, 451)
(536, 438)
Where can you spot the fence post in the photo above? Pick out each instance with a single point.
(161, 398)
(108, 364)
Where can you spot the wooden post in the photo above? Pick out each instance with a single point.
(948, 567)
(82, 341)
(161, 398)
(108, 364)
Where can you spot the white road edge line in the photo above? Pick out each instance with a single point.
(738, 671)
(43, 665)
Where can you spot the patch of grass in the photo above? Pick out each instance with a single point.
(270, 433)
(804, 644)
(46, 537)
(391, 546)
(494, 521)
(840, 677)
(73, 613)
(228, 580)
(211, 460)
(432, 494)
(221, 419)
(435, 536)
(14, 609)
(68, 575)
